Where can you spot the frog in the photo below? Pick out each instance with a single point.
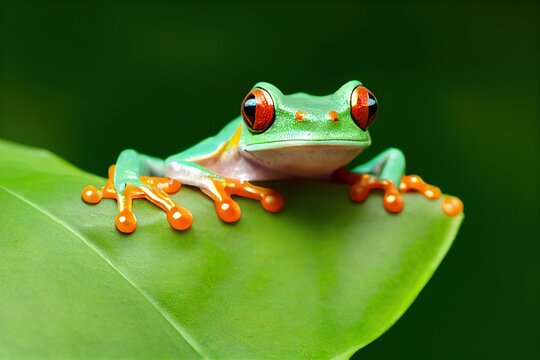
(275, 137)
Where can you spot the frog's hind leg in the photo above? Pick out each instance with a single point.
(220, 189)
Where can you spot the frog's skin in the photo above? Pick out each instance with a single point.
(277, 136)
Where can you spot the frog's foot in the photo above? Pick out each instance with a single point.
(415, 183)
(451, 206)
(392, 199)
(154, 189)
(228, 210)
(362, 184)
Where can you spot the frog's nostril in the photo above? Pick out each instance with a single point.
(333, 116)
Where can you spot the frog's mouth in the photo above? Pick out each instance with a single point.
(306, 158)
(273, 145)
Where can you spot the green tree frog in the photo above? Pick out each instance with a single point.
(276, 137)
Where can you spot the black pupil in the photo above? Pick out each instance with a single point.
(372, 106)
(249, 108)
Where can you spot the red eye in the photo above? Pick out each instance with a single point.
(363, 107)
(258, 110)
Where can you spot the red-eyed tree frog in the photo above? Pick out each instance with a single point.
(276, 136)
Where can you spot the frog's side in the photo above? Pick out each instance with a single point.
(276, 137)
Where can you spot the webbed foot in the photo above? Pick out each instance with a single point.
(228, 210)
(415, 183)
(450, 205)
(154, 189)
(363, 184)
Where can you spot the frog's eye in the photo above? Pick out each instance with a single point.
(363, 107)
(258, 110)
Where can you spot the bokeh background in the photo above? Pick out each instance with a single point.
(458, 86)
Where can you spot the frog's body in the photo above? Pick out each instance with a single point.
(223, 155)
(227, 155)
(276, 137)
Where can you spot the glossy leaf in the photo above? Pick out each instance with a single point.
(319, 280)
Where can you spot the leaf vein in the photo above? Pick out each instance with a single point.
(181, 331)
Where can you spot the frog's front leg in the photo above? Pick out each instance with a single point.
(385, 172)
(220, 188)
(128, 181)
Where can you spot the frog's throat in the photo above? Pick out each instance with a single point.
(304, 158)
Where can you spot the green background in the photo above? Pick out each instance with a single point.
(457, 83)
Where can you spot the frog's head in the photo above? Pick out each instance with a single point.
(306, 135)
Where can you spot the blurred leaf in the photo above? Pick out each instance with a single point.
(319, 280)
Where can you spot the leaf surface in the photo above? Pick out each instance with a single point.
(321, 279)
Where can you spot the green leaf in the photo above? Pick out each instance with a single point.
(321, 279)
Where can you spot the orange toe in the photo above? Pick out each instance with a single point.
(432, 192)
(179, 218)
(415, 183)
(173, 186)
(358, 193)
(273, 201)
(393, 202)
(452, 206)
(126, 222)
(228, 211)
(91, 194)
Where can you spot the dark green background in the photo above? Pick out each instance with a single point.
(458, 90)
